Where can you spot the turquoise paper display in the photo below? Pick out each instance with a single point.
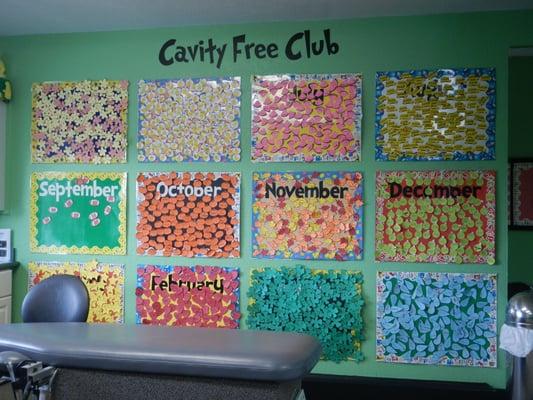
(323, 304)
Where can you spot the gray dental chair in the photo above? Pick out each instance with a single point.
(139, 362)
(60, 298)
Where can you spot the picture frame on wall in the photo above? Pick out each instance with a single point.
(521, 193)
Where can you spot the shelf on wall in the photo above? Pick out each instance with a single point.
(11, 265)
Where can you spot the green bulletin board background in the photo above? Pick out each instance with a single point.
(65, 234)
(366, 46)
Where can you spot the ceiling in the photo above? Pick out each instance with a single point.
(23, 17)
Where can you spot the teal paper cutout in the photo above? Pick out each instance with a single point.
(323, 304)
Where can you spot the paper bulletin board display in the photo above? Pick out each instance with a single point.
(436, 216)
(521, 193)
(306, 117)
(189, 120)
(307, 215)
(444, 114)
(78, 213)
(79, 122)
(104, 282)
(189, 214)
(200, 296)
(436, 318)
(324, 304)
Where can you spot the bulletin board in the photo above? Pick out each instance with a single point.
(326, 304)
(307, 215)
(104, 282)
(188, 214)
(78, 213)
(436, 216)
(201, 296)
(521, 194)
(79, 122)
(189, 120)
(436, 318)
(347, 47)
(444, 114)
(306, 118)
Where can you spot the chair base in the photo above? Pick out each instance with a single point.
(81, 384)
(6, 391)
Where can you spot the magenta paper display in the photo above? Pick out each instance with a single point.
(201, 296)
(306, 118)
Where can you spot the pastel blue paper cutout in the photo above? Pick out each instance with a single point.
(436, 318)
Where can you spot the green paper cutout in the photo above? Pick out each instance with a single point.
(323, 304)
(450, 208)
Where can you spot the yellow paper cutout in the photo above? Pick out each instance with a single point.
(105, 283)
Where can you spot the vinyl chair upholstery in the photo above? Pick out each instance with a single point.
(60, 298)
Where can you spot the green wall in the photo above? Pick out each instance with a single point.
(520, 146)
(366, 46)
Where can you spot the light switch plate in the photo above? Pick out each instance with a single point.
(5, 246)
